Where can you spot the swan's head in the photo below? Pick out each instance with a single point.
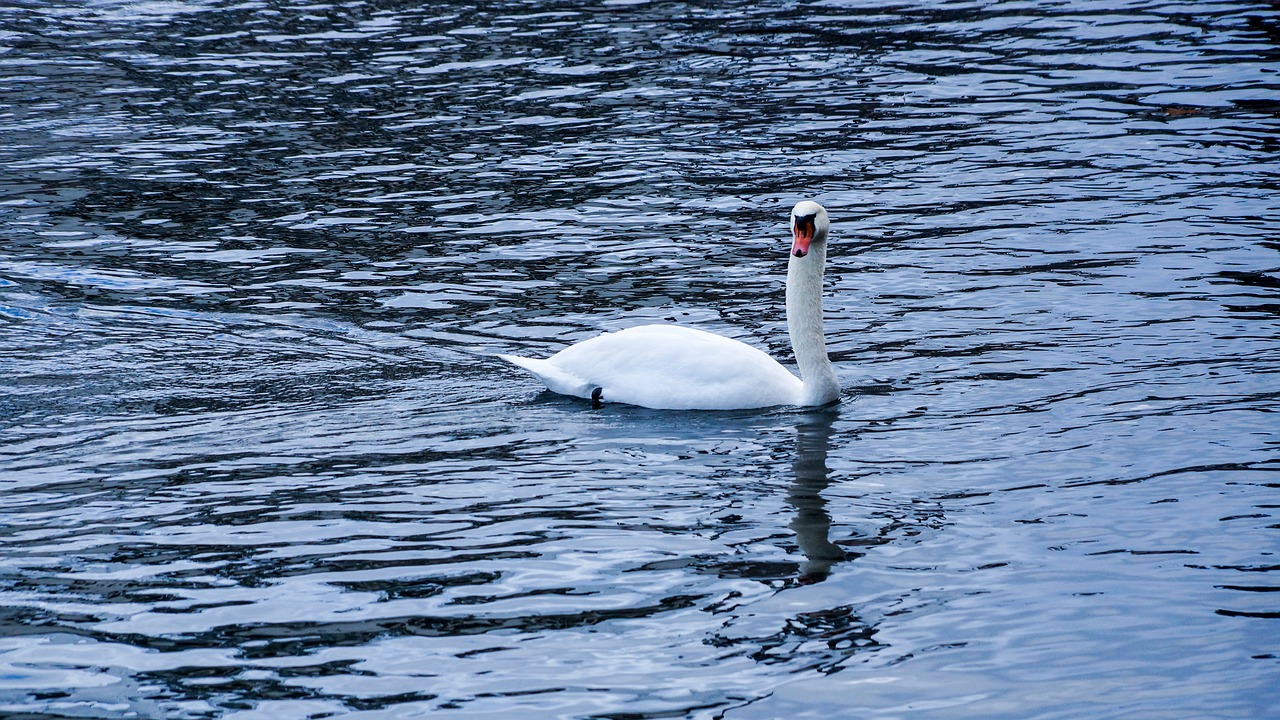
(809, 225)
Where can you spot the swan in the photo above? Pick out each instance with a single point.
(673, 367)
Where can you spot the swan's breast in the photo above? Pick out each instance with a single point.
(676, 367)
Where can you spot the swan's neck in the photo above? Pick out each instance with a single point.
(804, 322)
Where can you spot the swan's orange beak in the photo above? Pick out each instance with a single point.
(803, 229)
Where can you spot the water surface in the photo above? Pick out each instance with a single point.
(257, 458)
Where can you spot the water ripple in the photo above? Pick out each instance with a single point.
(258, 459)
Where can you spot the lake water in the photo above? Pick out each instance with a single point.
(257, 459)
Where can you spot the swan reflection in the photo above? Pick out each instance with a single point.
(812, 523)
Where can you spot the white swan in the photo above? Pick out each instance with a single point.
(670, 367)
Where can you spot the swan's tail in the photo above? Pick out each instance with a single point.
(554, 378)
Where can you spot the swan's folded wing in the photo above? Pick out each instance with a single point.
(678, 368)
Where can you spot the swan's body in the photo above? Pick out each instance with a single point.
(671, 367)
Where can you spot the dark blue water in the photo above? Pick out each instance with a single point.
(257, 458)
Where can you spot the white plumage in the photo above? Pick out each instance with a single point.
(672, 367)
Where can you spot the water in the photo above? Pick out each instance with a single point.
(257, 459)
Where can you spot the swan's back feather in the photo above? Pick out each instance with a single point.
(553, 377)
(668, 367)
